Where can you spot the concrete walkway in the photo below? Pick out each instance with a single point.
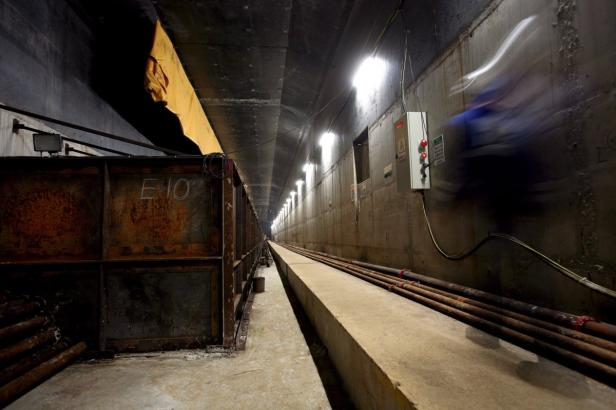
(394, 353)
(275, 371)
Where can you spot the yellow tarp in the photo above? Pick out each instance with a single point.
(167, 82)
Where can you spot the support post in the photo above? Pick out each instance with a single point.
(228, 257)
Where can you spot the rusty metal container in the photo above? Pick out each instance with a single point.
(139, 252)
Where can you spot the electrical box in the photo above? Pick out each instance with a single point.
(412, 151)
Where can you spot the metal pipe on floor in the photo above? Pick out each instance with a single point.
(585, 337)
(17, 387)
(569, 320)
(572, 321)
(10, 352)
(486, 319)
(14, 310)
(22, 327)
(31, 361)
(491, 313)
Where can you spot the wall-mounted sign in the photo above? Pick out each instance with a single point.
(438, 150)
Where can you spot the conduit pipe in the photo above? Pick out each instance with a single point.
(570, 321)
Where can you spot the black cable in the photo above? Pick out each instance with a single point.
(210, 170)
(390, 20)
(491, 236)
(403, 69)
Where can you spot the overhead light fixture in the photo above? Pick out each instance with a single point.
(307, 167)
(369, 75)
(327, 139)
(293, 193)
(299, 184)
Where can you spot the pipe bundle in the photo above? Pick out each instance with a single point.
(31, 349)
(579, 342)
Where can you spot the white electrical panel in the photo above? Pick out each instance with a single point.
(412, 151)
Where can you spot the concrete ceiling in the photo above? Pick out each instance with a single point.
(258, 68)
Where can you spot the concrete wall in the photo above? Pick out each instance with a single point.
(46, 65)
(565, 206)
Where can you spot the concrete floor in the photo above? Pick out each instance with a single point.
(394, 353)
(275, 371)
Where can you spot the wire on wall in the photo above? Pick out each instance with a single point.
(491, 236)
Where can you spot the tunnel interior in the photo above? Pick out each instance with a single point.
(463, 148)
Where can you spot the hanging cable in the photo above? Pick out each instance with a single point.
(407, 56)
(546, 259)
(403, 68)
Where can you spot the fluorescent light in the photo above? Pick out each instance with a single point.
(293, 193)
(369, 75)
(299, 184)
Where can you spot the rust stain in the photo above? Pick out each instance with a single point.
(47, 220)
(157, 216)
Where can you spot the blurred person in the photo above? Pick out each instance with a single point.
(513, 103)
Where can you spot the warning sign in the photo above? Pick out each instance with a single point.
(438, 150)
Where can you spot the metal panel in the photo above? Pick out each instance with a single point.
(163, 212)
(49, 213)
(174, 306)
(135, 245)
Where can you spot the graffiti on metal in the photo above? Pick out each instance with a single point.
(178, 189)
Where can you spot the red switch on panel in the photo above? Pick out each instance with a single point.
(423, 156)
(423, 143)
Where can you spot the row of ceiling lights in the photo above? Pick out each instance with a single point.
(366, 80)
